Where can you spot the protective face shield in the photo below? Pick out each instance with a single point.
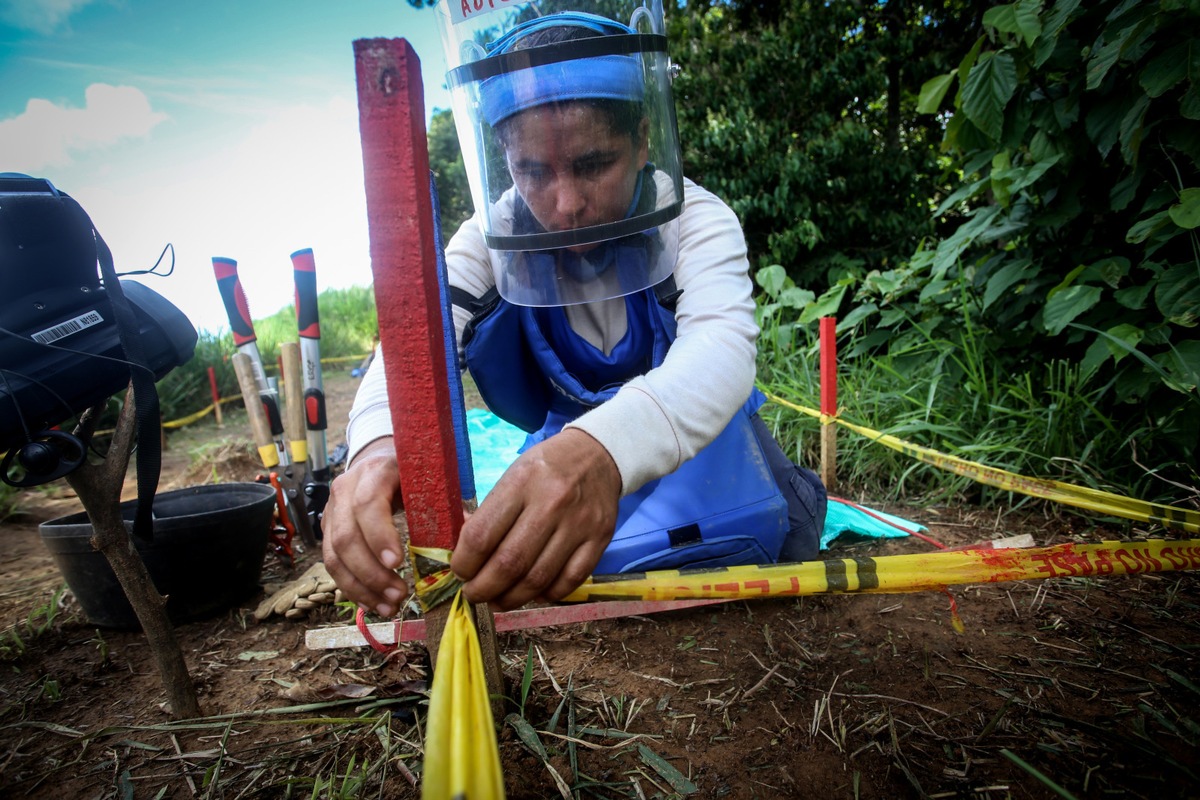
(568, 133)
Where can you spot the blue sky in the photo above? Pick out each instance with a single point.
(226, 128)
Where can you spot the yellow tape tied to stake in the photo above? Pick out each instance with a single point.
(434, 582)
(462, 758)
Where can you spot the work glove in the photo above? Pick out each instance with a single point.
(294, 599)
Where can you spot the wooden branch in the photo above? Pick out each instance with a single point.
(99, 489)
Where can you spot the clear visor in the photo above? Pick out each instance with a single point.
(568, 132)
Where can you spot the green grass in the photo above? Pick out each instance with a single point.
(9, 495)
(947, 395)
(39, 620)
(348, 329)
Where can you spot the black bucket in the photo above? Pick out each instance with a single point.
(207, 553)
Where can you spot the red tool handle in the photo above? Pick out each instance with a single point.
(304, 269)
(236, 307)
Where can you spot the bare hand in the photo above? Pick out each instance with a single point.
(361, 546)
(543, 528)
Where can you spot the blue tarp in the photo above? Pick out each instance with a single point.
(494, 445)
(841, 519)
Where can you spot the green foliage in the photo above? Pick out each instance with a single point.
(449, 174)
(1072, 236)
(802, 116)
(947, 395)
(348, 318)
(1051, 324)
(526, 682)
(8, 501)
(39, 620)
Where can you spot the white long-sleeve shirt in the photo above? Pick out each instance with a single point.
(656, 421)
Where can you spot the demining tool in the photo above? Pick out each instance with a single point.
(290, 477)
(298, 477)
(316, 490)
(244, 338)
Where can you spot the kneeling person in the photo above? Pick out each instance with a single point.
(603, 304)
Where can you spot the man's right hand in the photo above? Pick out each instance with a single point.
(362, 548)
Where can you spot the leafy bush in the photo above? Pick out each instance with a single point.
(801, 116)
(1067, 278)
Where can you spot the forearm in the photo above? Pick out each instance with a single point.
(381, 447)
(370, 416)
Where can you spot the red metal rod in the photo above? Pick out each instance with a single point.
(391, 107)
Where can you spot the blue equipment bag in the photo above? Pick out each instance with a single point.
(719, 509)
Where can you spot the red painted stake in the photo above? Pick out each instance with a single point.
(829, 366)
(391, 108)
(216, 396)
(829, 403)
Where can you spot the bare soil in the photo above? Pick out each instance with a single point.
(1091, 684)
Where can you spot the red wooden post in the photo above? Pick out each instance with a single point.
(391, 108)
(216, 396)
(829, 403)
(829, 366)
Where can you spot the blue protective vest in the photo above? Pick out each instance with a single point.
(720, 508)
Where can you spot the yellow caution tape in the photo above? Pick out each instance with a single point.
(189, 419)
(914, 572)
(1170, 517)
(902, 573)
(342, 359)
(462, 757)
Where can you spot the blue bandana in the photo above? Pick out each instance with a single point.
(609, 77)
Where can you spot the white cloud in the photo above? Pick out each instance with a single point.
(40, 16)
(293, 181)
(46, 135)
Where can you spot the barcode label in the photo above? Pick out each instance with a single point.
(65, 329)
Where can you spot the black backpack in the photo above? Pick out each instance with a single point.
(71, 335)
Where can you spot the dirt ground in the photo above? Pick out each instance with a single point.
(1056, 688)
